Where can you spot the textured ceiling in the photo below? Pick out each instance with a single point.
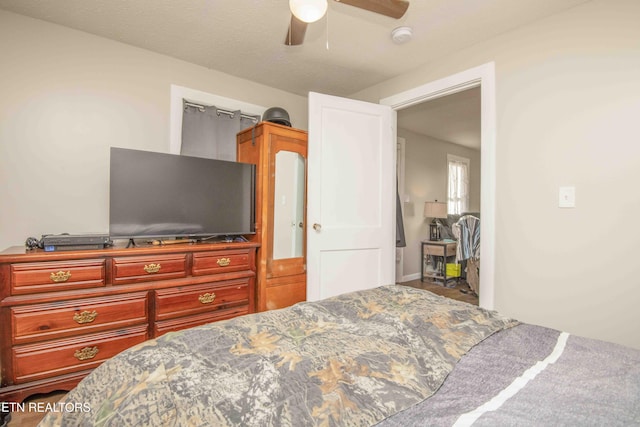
(347, 51)
(245, 37)
(453, 118)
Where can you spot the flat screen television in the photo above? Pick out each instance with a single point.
(158, 195)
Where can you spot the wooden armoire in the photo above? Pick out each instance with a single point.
(280, 155)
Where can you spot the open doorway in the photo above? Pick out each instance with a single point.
(482, 78)
(442, 164)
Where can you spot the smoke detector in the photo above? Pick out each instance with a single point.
(401, 35)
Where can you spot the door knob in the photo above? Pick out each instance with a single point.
(317, 227)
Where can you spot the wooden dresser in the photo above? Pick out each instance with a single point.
(63, 313)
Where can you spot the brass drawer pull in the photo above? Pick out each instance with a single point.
(152, 268)
(60, 276)
(86, 353)
(223, 262)
(207, 298)
(85, 317)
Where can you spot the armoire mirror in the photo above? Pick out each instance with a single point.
(288, 205)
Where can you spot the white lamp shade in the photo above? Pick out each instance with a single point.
(308, 10)
(435, 210)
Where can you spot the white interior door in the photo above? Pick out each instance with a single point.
(351, 196)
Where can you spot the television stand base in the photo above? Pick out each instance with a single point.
(172, 242)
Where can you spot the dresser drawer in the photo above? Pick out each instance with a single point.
(439, 249)
(219, 262)
(189, 300)
(31, 323)
(164, 326)
(38, 361)
(146, 268)
(36, 277)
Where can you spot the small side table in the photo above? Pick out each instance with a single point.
(439, 248)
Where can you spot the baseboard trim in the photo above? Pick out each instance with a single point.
(410, 277)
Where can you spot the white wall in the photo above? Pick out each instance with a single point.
(65, 98)
(426, 174)
(568, 113)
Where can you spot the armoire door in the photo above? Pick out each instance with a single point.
(286, 239)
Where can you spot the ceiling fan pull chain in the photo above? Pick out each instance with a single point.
(327, 29)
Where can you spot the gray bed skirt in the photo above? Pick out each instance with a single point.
(535, 376)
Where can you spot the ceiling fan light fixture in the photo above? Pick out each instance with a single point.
(308, 10)
(401, 35)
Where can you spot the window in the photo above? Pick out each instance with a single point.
(458, 199)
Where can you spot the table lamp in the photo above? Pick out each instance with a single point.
(435, 210)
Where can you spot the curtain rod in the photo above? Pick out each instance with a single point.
(221, 111)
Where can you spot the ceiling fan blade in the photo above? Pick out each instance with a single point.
(391, 8)
(295, 35)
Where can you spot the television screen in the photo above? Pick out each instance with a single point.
(167, 195)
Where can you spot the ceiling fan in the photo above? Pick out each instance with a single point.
(304, 12)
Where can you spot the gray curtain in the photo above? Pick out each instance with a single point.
(211, 132)
(400, 239)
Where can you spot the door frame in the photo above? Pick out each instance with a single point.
(400, 162)
(484, 77)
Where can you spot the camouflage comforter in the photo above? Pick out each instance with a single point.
(354, 359)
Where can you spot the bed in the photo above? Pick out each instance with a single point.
(389, 356)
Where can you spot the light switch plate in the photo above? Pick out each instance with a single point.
(567, 197)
